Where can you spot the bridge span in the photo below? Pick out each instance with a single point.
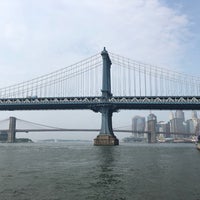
(12, 130)
(96, 103)
(129, 85)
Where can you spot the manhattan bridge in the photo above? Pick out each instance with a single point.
(105, 83)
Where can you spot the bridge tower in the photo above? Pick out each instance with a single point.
(106, 135)
(12, 130)
(151, 127)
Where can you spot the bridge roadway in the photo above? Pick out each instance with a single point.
(97, 102)
(95, 130)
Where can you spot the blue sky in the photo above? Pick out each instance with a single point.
(40, 36)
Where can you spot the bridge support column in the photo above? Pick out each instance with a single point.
(149, 137)
(12, 130)
(106, 135)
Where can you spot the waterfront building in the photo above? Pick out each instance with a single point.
(194, 114)
(177, 123)
(180, 115)
(190, 126)
(180, 119)
(163, 128)
(192, 123)
(138, 126)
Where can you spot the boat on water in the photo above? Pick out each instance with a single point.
(198, 143)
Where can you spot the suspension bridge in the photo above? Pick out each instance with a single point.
(16, 125)
(93, 84)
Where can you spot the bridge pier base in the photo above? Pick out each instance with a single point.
(149, 138)
(106, 140)
(106, 136)
(151, 126)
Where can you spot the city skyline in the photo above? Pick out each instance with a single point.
(160, 118)
(175, 128)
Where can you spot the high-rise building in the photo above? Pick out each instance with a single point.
(194, 114)
(163, 127)
(172, 123)
(177, 123)
(151, 116)
(180, 115)
(190, 128)
(180, 119)
(171, 115)
(192, 123)
(138, 125)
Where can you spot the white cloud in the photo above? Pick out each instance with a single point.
(49, 31)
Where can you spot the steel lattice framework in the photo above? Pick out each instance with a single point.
(93, 103)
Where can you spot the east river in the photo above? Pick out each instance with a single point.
(79, 170)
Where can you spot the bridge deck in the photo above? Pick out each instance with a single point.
(95, 103)
(95, 130)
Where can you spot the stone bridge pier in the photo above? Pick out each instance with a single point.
(12, 130)
(151, 126)
(106, 136)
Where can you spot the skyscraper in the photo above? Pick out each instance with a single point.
(180, 119)
(177, 123)
(138, 125)
(179, 114)
(194, 114)
(193, 122)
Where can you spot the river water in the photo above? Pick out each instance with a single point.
(79, 170)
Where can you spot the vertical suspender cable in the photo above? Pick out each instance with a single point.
(129, 79)
(134, 81)
(140, 80)
(150, 77)
(145, 82)
(156, 86)
(161, 83)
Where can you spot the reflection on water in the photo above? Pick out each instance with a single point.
(108, 182)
